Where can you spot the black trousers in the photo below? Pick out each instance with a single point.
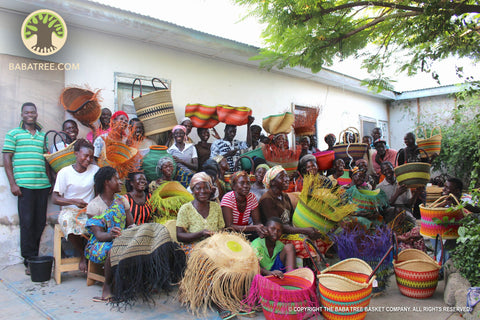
(32, 212)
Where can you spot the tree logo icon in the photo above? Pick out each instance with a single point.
(44, 32)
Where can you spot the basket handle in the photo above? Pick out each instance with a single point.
(428, 158)
(57, 133)
(424, 131)
(163, 84)
(357, 135)
(380, 263)
(140, 84)
(437, 202)
(437, 239)
(439, 131)
(306, 244)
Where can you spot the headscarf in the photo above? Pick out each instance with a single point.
(355, 170)
(161, 162)
(262, 165)
(237, 175)
(271, 174)
(179, 126)
(200, 177)
(303, 160)
(185, 119)
(379, 140)
(119, 113)
(278, 135)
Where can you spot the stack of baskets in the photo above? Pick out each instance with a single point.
(416, 273)
(442, 221)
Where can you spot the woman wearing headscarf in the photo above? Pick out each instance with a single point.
(165, 170)
(308, 166)
(118, 127)
(187, 123)
(240, 207)
(201, 217)
(275, 203)
(184, 154)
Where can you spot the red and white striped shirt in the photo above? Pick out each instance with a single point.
(239, 218)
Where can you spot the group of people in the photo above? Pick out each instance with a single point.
(94, 213)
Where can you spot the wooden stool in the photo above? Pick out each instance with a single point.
(95, 273)
(65, 264)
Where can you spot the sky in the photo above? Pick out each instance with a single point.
(226, 19)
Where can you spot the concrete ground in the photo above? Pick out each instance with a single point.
(72, 299)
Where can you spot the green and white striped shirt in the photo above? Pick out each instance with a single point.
(28, 161)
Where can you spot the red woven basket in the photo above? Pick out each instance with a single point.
(325, 159)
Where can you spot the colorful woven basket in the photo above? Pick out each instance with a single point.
(246, 163)
(62, 158)
(305, 217)
(413, 174)
(305, 120)
(150, 161)
(433, 193)
(367, 200)
(430, 226)
(345, 289)
(155, 109)
(286, 298)
(346, 149)
(202, 116)
(279, 123)
(431, 145)
(416, 273)
(82, 104)
(325, 159)
(237, 116)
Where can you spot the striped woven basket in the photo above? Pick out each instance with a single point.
(279, 123)
(431, 145)
(346, 149)
(416, 273)
(413, 174)
(202, 116)
(430, 228)
(433, 193)
(345, 289)
(60, 159)
(305, 217)
(237, 116)
(286, 298)
(155, 109)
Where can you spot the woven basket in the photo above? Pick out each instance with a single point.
(431, 145)
(279, 123)
(237, 116)
(284, 298)
(150, 161)
(345, 289)
(355, 150)
(433, 193)
(325, 159)
(290, 167)
(202, 116)
(246, 163)
(82, 104)
(305, 217)
(416, 273)
(413, 174)
(62, 158)
(429, 228)
(155, 109)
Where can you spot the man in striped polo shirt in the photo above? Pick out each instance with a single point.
(27, 174)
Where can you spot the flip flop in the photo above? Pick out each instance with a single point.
(100, 299)
(225, 314)
(247, 314)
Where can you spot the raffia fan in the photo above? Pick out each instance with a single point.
(305, 120)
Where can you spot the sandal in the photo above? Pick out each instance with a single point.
(101, 299)
(247, 314)
(225, 314)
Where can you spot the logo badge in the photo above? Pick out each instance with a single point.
(44, 32)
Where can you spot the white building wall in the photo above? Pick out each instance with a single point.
(194, 79)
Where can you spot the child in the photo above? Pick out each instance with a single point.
(275, 257)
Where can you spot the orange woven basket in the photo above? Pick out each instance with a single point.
(430, 213)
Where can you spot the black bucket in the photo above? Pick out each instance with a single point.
(40, 268)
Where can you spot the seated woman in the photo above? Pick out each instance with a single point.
(275, 257)
(201, 217)
(258, 188)
(73, 190)
(109, 214)
(240, 206)
(165, 170)
(184, 154)
(223, 168)
(138, 197)
(308, 165)
(275, 203)
(340, 176)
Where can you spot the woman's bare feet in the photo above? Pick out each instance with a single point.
(82, 265)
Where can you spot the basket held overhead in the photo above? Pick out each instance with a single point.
(202, 116)
(82, 104)
(155, 109)
(346, 149)
(431, 145)
(278, 123)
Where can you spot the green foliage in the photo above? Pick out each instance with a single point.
(311, 33)
(466, 256)
(460, 153)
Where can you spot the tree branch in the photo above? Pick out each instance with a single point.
(372, 3)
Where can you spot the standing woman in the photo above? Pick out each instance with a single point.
(240, 206)
(73, 191)
(184, 154)
(109, 214)
(200, 218)
(104, 125)
(138, 197)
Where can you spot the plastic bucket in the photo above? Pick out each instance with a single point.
(40, 268)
